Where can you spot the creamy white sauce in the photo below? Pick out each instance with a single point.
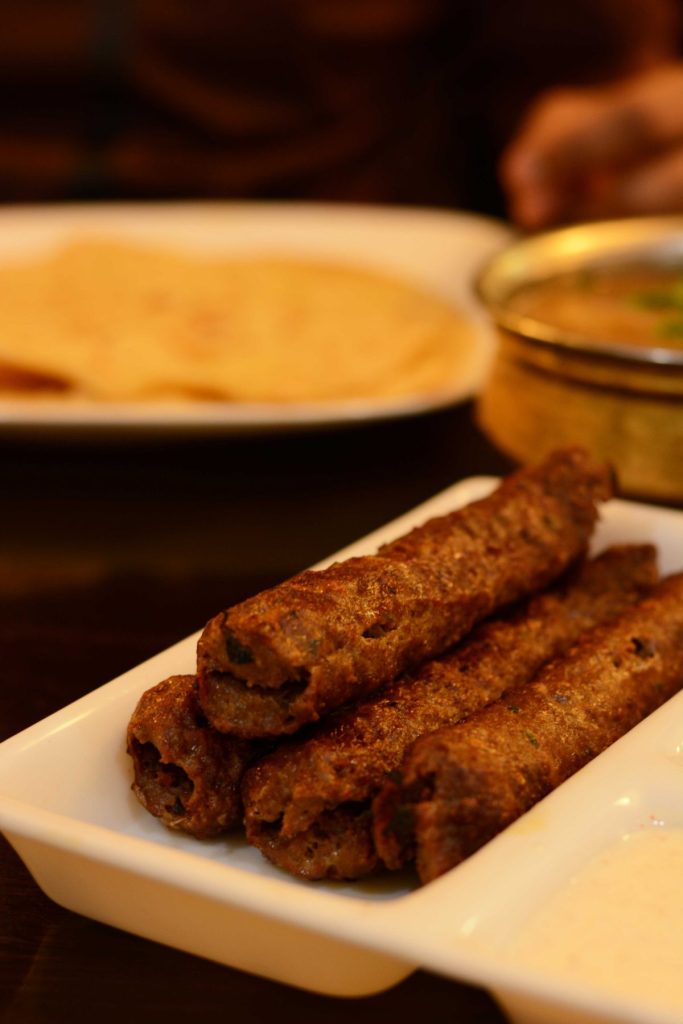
(618, 923)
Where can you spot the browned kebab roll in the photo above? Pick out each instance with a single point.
(307, 804)
(463, 784)
(185, 772)
(297, 651)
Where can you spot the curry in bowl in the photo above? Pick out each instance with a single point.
(590, 348)
(639, 305)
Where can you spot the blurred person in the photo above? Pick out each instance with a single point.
(610, 151)
(399, 101)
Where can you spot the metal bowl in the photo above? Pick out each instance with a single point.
(549, 387)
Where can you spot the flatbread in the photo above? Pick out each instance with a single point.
(115, 321)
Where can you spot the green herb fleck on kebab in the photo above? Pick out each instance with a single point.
(237, 652)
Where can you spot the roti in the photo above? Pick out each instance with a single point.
(115, 321)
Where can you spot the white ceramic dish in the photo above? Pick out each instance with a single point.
(66, 806)
(439, 250)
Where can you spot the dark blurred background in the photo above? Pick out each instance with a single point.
(402, 101)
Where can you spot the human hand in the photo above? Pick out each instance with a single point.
(611, 151)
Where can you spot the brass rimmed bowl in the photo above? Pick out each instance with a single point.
(549, 386)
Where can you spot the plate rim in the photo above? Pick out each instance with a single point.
(127, 217)
(386, 925)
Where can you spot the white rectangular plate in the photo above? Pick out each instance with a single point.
(66, 806)
(440, 251)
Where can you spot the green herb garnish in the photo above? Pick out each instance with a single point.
(671, 328)
(666, 297)
(655, 299)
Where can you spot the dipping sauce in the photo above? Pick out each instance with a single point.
(636, 305)
(618, 924)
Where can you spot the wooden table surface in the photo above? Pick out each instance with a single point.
(113, 549)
